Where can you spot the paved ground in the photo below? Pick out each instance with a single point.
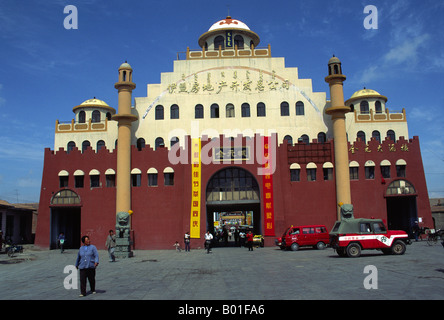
(231, 274)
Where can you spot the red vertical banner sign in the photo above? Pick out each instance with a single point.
(267, 187)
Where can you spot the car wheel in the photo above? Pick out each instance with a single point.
(398, 247)
(294, 246)
(353, 250)
(320, 245)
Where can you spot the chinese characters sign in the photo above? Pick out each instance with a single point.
(215, 81)
(267, 184)
(231, 153)
(195, 188)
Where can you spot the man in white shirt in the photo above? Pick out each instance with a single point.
(208, 240)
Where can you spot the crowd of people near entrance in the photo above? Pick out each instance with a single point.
(221, 237)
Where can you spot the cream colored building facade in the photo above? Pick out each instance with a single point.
(232, 86)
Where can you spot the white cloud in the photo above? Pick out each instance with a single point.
(407, 51)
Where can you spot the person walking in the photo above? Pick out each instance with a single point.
(250, 241)
(110, 244)
(186, 240)
(61, 241)
(87, 262)
(208, 239)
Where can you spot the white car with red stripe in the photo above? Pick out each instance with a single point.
(350, 236)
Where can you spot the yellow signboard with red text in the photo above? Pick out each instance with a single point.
(195, 188)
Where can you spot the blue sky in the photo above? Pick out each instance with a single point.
(46, 70)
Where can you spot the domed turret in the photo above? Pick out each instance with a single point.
(228, 33)
(94, 109)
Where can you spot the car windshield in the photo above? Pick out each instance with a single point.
(379, 227)
(336, 227)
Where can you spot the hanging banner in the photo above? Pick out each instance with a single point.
(267, 187)
(195, 188)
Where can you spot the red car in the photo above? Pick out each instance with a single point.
(302, 236)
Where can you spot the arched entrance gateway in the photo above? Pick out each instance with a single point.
(65, 217)
(233, 203)
(401, 205)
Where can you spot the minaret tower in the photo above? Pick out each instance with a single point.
(124, 118)
(337, 111)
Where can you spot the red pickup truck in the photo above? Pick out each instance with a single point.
(301, 236)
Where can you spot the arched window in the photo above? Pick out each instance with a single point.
(352, 108)
(63, 179)
(159, 112)
(199, 111)
(361, 136)
(354, 170)
(100, 145)
(385, 168)
(261, 109)
(108, 115)
(369, 169)
(110, 178)
(174, 111)
(327, 169)
(232, 184)
(152, 177)
(173, 141)
(391, 135)
(95, 116)
(289, 139)
(400, 168)
(159, 143)
(136, 177)
(300, 108)
(214, 110)
(85, 144)
(140, 143)
(245, 108)
(322, 137)
(239, 41)
(311, 171)
(219, 42)
(82, 117)
(65, 197)
(378, 107)
(229, 110)
(79, 179)
(399, 187)
(295, 172)
(168, 176)
(364, 106)
(305, 139)
(70, 146)
(94, 178)
(376, 135)
(285, 110)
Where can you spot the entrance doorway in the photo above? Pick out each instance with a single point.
(232, 205)
(401, 206)
(401, 213)
(65, 217)
(66, 220)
